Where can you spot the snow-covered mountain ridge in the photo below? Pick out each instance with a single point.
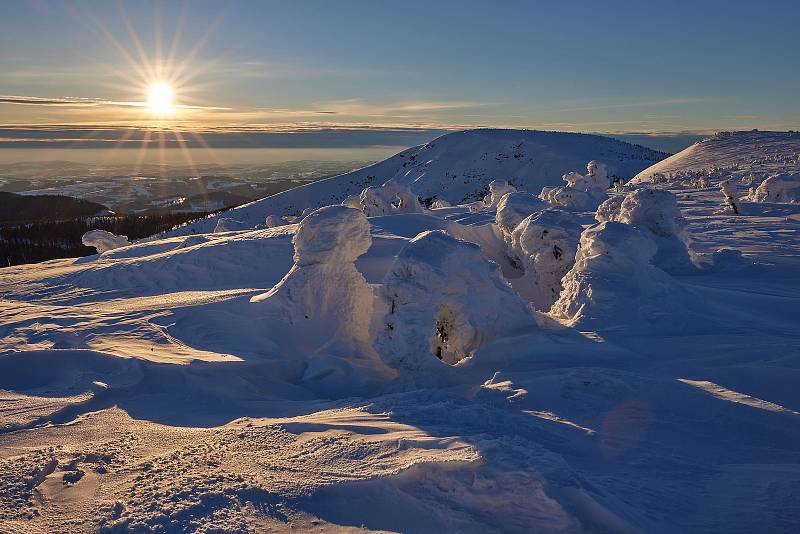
(458, 167)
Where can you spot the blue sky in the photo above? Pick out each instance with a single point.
(297, 65)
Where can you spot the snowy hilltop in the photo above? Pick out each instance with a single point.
(448, 341)
(457, 168)
(730, 153)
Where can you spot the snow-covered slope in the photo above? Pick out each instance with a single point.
(735, 153)
(284, 379)
(458, 167)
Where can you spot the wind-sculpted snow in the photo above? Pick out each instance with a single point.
(582, 192)
(457, 167)
(514, 207)
(544, 245)
(781, 188)
(444, 302)
(104, 241)
(335, 234)
(614, 283)
(323, 306)
(497, 190)
(655, 211)
(389, 198)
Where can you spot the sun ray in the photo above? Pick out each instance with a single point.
(150, 71)
(142, 151)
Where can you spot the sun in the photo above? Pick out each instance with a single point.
(159, 98)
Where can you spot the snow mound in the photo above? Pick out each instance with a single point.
(390, 198)
(544, 244)
(780, 188)
(458, 167)
(594, 181)
(655, 211)
(513, 207)
(334, 234)
(323, 306)
(444, 301)
(497, 190)
(104, 241)
(613, 282)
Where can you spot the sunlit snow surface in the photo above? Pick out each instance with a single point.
(141, 389)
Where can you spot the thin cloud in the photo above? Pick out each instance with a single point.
(81, 102)
(650, 103)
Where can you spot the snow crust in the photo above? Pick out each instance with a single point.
(104, 241)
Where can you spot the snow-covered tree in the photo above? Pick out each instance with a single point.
(444, 301)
